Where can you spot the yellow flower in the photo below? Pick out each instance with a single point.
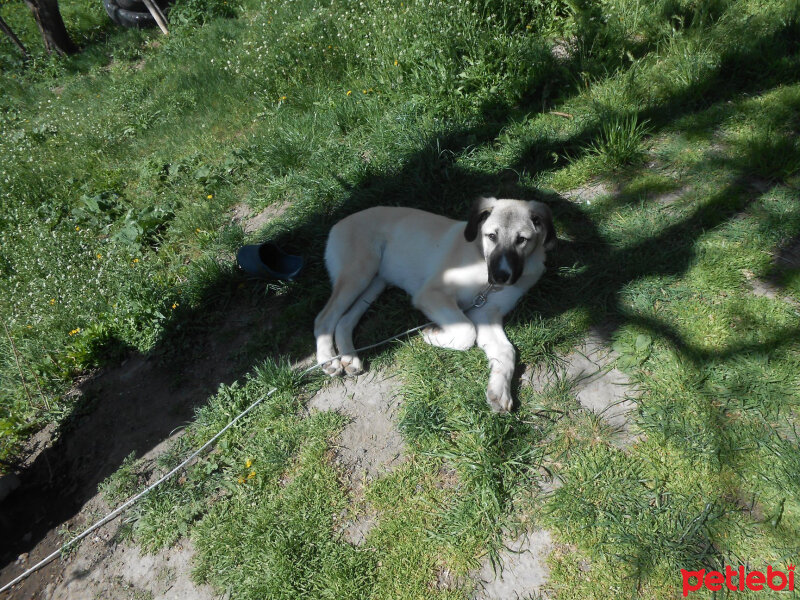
(175, 305)
(395, 63)
(75, 331)
(210, 196)
(241, 480)
(248, 463)
(283, 98)
(349, 92)
(77, 228)
(251, 475)
(99, 256)
(52, 300)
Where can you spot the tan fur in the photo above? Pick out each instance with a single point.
(428, 256)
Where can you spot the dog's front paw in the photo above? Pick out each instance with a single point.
(352, 365)
(430, 334)
(499, 398)
(455, 337)
(333, 367)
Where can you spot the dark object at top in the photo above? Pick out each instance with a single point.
(133, 13)
(267, 260)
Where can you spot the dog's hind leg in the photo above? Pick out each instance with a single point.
(344, 328)
(347, 289)
(353, 262)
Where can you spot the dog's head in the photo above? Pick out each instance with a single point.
(508, 232)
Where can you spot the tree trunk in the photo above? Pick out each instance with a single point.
(7, 30)
(54, 33)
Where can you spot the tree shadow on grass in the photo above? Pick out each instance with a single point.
(134, 407)
(605, 271)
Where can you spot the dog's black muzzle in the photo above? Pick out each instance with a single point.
(505, 268)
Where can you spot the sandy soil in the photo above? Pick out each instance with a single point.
(524, 570)
(101, 568)
(369, 445)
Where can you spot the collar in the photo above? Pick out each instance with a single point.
(483, 296)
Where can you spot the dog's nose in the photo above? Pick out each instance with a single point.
(501, 276)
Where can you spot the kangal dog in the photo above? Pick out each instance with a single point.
(465, 276)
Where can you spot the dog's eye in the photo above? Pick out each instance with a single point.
(521, 240)
(492, 236)
(536, 221)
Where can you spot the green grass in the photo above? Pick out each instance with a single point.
(120, 167)
(620, 141)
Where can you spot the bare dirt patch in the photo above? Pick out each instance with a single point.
(767, 288)
(354, 530)
(667, 199)
(101, 568)
(369, 445)
(598, 385)
(250, 222)
(585, 194)
(592, 191)
(524, 570)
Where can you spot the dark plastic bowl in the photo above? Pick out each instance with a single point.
(267, 261)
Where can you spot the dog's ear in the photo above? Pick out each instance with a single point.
(542, 218)
(481, 209)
